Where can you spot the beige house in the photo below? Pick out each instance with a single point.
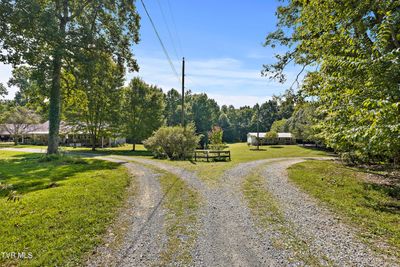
(37, 134)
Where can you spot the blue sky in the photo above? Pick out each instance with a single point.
(221, 41)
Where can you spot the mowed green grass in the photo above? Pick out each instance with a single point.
(65, 206)
(211, 172)
(372, 207)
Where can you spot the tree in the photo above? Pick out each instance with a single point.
(280, 126)
(29, 93)
(173, 107)
(271, 137)
(52, 35)
(18, 121)
(143, 110)
(355, 47)
(215, 138)
(205, 112)
(302, 122)
(93, 105)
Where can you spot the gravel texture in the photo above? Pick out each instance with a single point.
(139, 224)
(322, 230)
(228, 234)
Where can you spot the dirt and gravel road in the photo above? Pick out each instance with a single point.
(229, 234)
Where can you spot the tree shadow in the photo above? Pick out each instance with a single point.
(26, 173)
(392, 194)
(275, 146)
(139, 153)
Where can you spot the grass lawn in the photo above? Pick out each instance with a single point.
(182, 204)
(240, 152)
(65, 205)
(211, 171)
(372, 206)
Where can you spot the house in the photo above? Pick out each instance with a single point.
(37, 134)
(283, 139)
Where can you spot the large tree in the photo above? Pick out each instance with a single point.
(143, 110)
(93, 105)
(52, 35)
(355, 49)
(205, 112)
(173, 107)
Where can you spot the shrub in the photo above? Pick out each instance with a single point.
(173, 142)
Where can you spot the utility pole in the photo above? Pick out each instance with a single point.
(258, 127)
(183, 93)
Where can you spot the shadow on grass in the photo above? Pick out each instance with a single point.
(26, 173)
(275, 146)
(388, 206)
(139, 153)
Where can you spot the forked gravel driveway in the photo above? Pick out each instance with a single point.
(229, 235)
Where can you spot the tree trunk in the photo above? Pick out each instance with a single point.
(134, 146)
(93, 141)
(55, 91)
(55, 99)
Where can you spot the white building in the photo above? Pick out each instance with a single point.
(283, 139)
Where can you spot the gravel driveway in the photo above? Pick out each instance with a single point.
(140, 222)
(228, 234)
(323, 231)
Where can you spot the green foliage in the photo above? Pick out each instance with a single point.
(215, 138)
(204, 112)
(302, 123)
(93, 105)
(173, 142)
(355, 46)
(271, 137)
(173, 107)
(18, 121)
(280, 126)
(3, 90)
(143, 110)
(55, 36)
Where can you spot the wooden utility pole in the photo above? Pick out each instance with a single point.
(183, 93)
(258, 127)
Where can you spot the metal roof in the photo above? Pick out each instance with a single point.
(280, 135)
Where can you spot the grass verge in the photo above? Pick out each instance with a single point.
(65, 206)
(370, 205)
(211, 172)
(182, 204)
(270, 217)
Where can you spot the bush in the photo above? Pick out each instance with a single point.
(173, 142)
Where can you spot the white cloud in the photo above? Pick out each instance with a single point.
(226, 80)
(239, 100)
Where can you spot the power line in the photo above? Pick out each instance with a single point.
(169, 32)
(174, 24)
(161, 42)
